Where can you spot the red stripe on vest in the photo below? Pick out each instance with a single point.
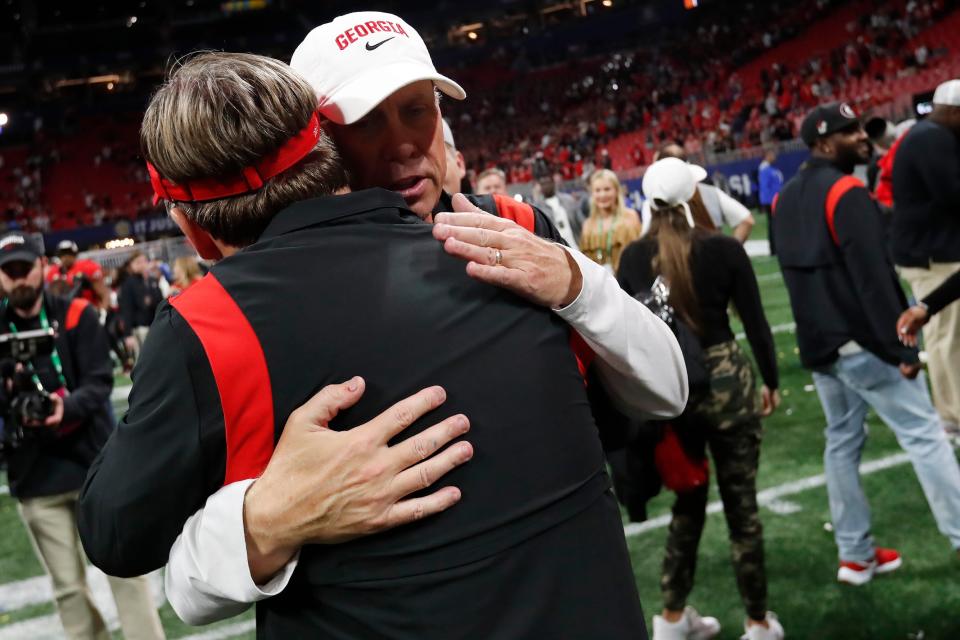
(582, 351)
(522, 214)
(240, 370)
(77, 305)
(837, 191)
(519, 212)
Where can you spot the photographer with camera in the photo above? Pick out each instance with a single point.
(54, 399)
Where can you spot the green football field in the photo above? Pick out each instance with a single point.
(920, 601)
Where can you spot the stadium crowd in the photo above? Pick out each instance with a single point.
(642, 297)
(565, 112)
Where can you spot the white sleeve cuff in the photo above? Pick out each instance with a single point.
(208, 575)
(638, 358)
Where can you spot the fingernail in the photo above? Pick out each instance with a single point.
(441, 395)
(353, 384)
(466, 451)
(455, 495)
(463, 423)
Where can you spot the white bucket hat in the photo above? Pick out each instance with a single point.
(671, 182)
(356, 61)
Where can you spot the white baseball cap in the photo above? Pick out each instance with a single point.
(359, 59)
(448, 134)
(948, 94)
(671, 181)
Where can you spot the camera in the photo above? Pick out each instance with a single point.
(27, 402)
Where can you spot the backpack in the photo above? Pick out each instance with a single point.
(657, 299)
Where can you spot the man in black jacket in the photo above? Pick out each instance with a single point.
(47, 460)
(309, 290)
(846, 299)
(138, 300)
(926, 235)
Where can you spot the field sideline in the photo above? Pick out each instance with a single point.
(919, 602)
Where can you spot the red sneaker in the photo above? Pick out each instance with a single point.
(856, 573)
(888, 560)
(860, 573)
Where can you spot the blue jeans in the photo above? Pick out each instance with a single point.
(846, 389)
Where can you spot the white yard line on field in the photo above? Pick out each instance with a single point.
(120, 393)
(786, 327)
(756, 248)
(48, 628)
(32, 591)
(227, 631)
(764, 277)
(773, 497)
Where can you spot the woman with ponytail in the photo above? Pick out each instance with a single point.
(705, 272)
(611, 225)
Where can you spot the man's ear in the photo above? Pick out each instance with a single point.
(201, 240)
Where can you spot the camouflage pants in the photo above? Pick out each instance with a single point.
(728, 421)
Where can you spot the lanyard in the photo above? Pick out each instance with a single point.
(54, 356)
(609, 246)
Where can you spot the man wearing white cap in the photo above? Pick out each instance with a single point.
(721, 207)
(456, 167)
(376, 86)
(926, 235)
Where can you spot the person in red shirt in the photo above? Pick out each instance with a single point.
(83, 276)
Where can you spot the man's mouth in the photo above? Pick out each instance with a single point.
(410, 188)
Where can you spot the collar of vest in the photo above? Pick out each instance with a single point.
(445, 203)
(325, 209)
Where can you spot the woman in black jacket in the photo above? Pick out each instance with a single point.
(706, 271)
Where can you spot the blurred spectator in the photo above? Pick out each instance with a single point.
(721, 208)
(926, 235)
(76, 277)
(138, 300)
(186, 271)
(771, 181)
(562, 208)
(492, 181)
(920, 313)
(846, 299)
(456, 169)
(706, 272)
(611, 225)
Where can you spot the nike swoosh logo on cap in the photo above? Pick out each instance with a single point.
(371, 48)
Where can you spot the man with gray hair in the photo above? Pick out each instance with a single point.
(377, 88)
(456, 167)
(227, 363)
(925, 235)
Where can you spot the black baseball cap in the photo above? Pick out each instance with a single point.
(18, 247)
(827, 119)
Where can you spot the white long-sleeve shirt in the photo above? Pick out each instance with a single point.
(638, 360)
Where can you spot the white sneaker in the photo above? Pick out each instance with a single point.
(692, 626)
(759, 632)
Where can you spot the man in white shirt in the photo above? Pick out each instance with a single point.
(724, 209)
(376, 126)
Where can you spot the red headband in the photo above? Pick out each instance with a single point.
(250, 179)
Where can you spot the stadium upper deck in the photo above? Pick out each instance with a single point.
(557, 87)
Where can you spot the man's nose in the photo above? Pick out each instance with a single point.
(401, 143)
